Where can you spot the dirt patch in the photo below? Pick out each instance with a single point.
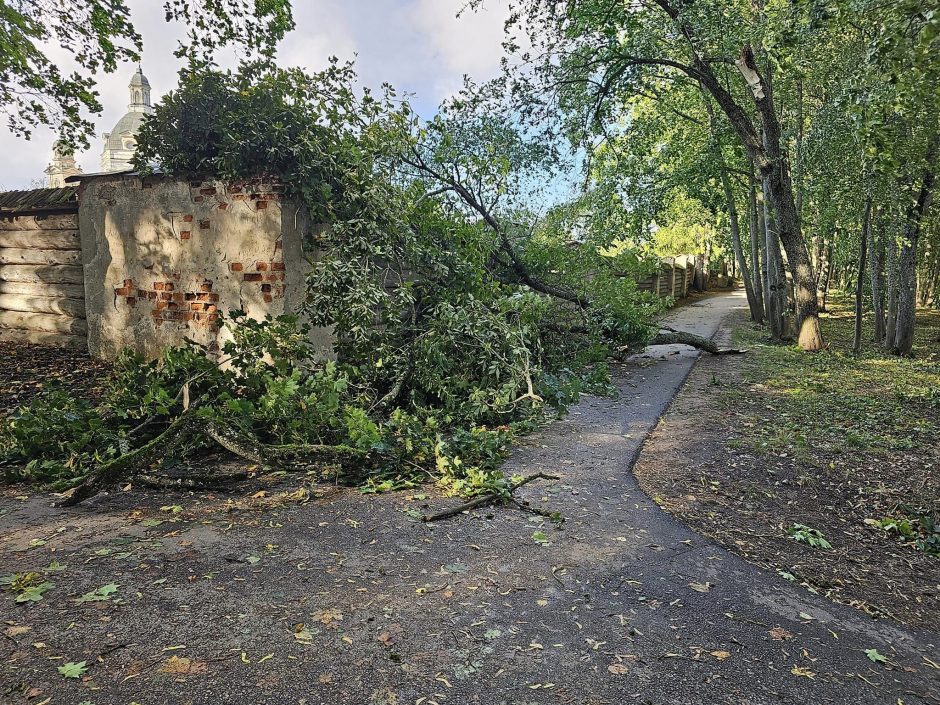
(743, 457)
(29, 370)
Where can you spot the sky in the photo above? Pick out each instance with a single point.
(421, 47)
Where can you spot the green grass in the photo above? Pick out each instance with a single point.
(820, 406)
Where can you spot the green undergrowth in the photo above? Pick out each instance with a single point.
(833, 403)
(270, 386)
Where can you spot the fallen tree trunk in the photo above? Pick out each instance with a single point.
(330, 462)
(334, 462)
(677, 337)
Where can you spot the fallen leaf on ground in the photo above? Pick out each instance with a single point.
(182, 666)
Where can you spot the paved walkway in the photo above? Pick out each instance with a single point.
(348, 599)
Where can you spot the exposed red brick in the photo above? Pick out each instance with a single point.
(128, 282)
(169, 286)
(277, 266)
(199, 199)
(240, 197)
(261, 266)
(206, 285)
(159, 306)
(261, 205)
(158, 286)
(253, 277)
(211, 308)
(131, 301)
(187, 219)
(279, 245)
(190, 297)
(213, 297)
(204, 224)
(123, 291)
(179, 297)
(266, 288)
(151, 295)
(208, 191)
(223, 206)
(196, 306)
(236, 266)
(268, 298)
(166, 296)
(185, 235)
(141, 294)
(275, 277)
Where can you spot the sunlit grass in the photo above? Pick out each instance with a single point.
(817, 406)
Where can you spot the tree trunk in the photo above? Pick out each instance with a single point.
(891, 286)
(767, 154)
(752, 224)
(776, 285)
(876, 265)
(860, 278)
(753, 304)
(789, 230)
(907, 260)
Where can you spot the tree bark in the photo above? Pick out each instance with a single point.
(907, 260)
(876, 275)
(776, 285)
(860, 278)
(891, 286)
(752, 223)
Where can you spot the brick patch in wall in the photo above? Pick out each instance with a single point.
(197, 307)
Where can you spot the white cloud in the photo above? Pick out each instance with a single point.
(468, 44)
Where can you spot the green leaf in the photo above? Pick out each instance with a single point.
(73, 670)
(34, 593)
(99, 595)
(874, 656)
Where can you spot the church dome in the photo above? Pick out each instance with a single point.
(121, 142)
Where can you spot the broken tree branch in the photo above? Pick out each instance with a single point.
(491, 498)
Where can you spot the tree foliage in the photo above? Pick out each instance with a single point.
(98, 35)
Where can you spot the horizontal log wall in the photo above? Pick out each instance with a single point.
(42, 292)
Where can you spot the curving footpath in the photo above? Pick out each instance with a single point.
(351, 600)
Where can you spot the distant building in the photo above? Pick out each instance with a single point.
(62, 166)
(121, 142)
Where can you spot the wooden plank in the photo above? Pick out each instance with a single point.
(44, 322)
(54, 274)
(36, 337)
(42, 239)
(42, 304)
(58, 221)
(19, 255)
(66, 291)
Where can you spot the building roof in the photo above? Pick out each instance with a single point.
(37, 200)
(127, 125)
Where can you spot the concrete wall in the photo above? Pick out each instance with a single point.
(163, 259)
(42, 299)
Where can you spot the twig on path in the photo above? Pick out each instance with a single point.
(493, 497)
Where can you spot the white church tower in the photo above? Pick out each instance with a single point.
(121, 142)
(61, 167)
